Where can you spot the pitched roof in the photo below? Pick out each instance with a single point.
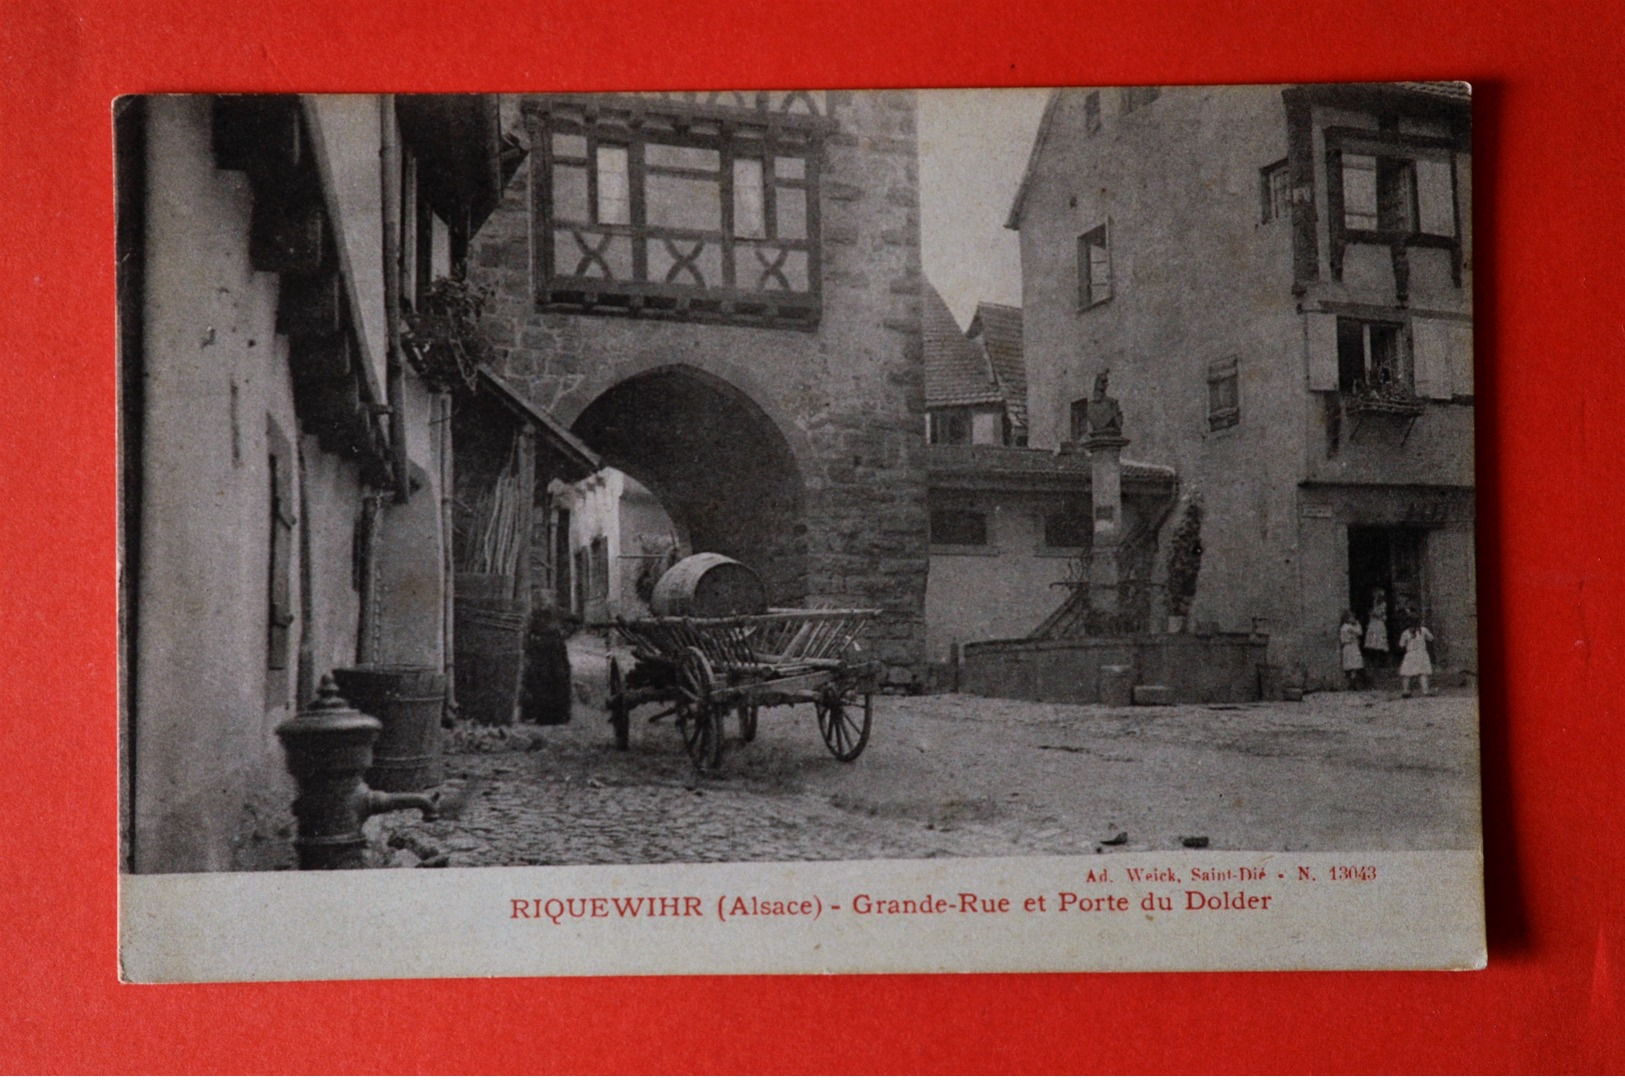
(999, 327)
(956, 371)
(575, 453)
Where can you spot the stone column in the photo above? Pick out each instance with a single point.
(1106, 494)
(1104, 442)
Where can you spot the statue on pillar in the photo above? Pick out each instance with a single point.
(1105, 416)
(1104, 441)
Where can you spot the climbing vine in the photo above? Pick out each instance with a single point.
(1185, 561)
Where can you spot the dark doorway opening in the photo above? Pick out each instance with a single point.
(1390, 559)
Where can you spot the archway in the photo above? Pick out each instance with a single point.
(716, 461)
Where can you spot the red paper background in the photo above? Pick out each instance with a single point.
(1550, 133)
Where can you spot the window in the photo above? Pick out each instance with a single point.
(1078, 420)
(1391, 189)
(1138, 97)
(1069, 525)
(1223, 394)
(614, 198)
(1094, 268)
(1435, 184)
(958, 527)
(750, 220)
(1275, 192)
(1091, 113)
(950, 427)
(1370, 354)
(1379, 194)
(674, 215)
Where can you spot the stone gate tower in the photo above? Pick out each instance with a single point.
(720, 293)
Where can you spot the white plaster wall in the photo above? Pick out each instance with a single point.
(594, 505)
(211, 792)
(1005, 592)
(333, 505)
(1197, 278)
(412, 578)
(214, 371)
(642, 518)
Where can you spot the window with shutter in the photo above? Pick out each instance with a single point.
(1223, 394)
(1094, 268)
(1391, 189)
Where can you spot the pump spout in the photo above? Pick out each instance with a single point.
(383, 802)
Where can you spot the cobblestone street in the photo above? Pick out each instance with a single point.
(954, 775)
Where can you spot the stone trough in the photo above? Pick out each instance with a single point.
(1194, 668)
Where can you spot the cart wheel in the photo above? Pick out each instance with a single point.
(844, 726)
(747, 722)
(620, 715)
(697, 719)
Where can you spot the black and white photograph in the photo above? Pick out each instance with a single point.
(881, 509)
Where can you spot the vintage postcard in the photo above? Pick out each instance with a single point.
(815, 531)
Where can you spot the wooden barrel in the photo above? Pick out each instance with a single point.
(408, 702)
(709, 586)
(489, 657)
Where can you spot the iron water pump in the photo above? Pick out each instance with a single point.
(329, 747)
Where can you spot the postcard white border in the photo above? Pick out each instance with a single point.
(1382, 910)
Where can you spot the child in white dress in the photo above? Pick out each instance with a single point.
(1348, 640)
(1376, 629)
(1413, 643)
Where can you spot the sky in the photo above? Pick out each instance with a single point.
(973, 150)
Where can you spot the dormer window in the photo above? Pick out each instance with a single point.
(677, 210)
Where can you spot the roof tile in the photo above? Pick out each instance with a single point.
(956, 371)
(1000, 328)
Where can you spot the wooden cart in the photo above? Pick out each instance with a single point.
(705, 669)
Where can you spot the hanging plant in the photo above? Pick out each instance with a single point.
(1384, 395)
(442, 339)
(1185, 562)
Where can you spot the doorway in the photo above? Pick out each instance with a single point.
(1390, 559)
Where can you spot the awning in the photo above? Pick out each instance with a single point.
(575, 454)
